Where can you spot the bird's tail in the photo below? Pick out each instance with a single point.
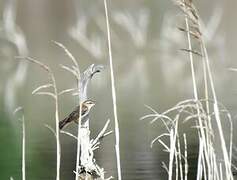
(62, 123)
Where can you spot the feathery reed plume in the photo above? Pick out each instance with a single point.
(113, 92)
(192, 17)
(203, 113)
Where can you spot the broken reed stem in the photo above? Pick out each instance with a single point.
(85, 162)
(113, 92)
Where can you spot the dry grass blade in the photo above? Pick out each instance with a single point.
(18, 109)
(36, 62)
(165, 167)
(69, 134)
(69, 70)
(51, 129)
(102, 133)
(167, 149)
(195, 34)
(41, 87)
(47, 94)
(192, 51)
(67, 91)
(153, 110)
(157, 138)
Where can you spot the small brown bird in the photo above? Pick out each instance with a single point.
(74, 115)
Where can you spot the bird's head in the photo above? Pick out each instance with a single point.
(89, 103)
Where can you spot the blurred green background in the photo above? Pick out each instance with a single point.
(149, 69)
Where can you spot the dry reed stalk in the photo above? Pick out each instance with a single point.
(113, 92)
(85, 163)
(23, 159)
(191, 16)
(23, 149)
(54, 95)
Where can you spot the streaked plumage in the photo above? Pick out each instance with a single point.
(74, 115)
